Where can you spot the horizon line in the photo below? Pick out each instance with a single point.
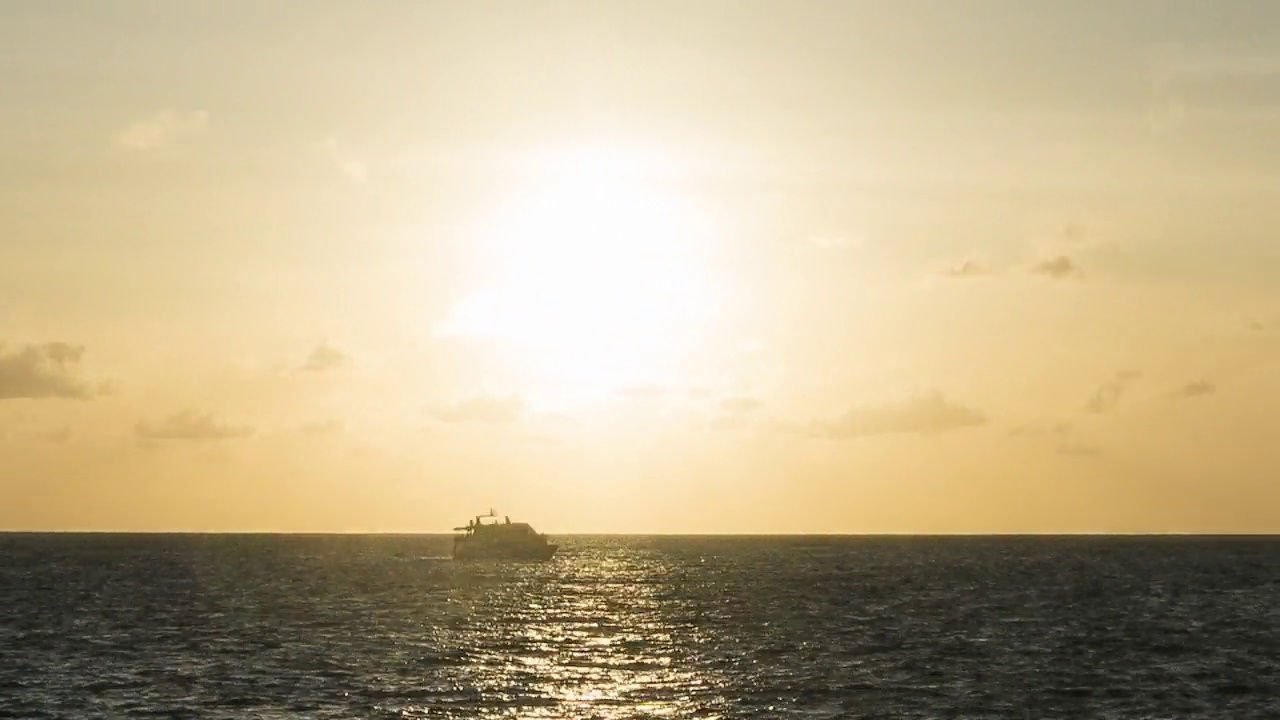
(400, 533)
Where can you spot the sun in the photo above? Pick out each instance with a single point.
(598, 273)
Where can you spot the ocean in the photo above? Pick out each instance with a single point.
(279, 626)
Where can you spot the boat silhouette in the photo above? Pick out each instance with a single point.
(503, 540)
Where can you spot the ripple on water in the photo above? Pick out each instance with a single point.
(352, 627)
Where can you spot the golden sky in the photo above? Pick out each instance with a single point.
(911, 266)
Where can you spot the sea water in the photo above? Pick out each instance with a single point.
(260, 626)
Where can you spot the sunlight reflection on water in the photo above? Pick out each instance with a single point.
(364, 627)
(586, 637)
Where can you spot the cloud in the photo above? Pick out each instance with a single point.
(162, 130)
(1056, 268)
(1198, 388)
(926, 414)
(483, 409)
(324, 357)
(1264, 324)
(50, 370)
(355, 169)
(1059, 432)
(190, 425)
(740, 404)
(1073, 237)
(968, 269)
(1106, 397)
(1072, 232)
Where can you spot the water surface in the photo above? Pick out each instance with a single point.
(227, 626)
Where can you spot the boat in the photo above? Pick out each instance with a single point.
(500, 540)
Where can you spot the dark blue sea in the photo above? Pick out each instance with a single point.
(260, 626)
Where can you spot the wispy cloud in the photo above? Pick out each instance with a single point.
(968, 269)
(1108, 395)
(162, 130)
(483, 409)
(1198, 388)
(926, 414)
(51, 370)
(1072, 232)
(191, 425)
(1264, 324)
(323, 358)
(1059, 435)
(1055, 254)
(1060, 267)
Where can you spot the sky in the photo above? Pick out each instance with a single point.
(730, 267)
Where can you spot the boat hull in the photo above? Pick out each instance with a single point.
(473, 551)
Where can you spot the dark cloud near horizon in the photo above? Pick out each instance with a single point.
(191, 425)
(923, 415)
(483, 409)
(50, 370)
(1106, 397)
(1061, 267)
(323, 358)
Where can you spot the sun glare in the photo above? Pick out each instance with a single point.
(598, 273)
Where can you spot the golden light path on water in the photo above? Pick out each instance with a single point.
(606, 641)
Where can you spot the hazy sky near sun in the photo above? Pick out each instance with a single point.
(650, 266)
